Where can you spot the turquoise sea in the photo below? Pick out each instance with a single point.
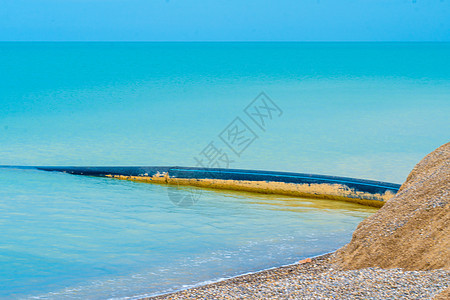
(364, 110)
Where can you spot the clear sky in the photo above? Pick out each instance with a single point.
(225, 20)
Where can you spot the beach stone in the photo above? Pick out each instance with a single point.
(412, 230)
(304, 261)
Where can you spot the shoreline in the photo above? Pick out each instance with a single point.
(320, 279)
(215, 281)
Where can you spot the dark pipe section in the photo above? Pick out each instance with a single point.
(360, 185)
(103, 171)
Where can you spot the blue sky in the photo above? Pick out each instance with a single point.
(225, 20)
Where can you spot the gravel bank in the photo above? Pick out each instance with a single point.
(412, 230)
(320, 279)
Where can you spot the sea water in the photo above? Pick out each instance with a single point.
(365, 110)
(75, 237)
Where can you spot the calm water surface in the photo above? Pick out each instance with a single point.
(65, 236)
(365, 110)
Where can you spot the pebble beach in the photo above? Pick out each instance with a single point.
(321, 279)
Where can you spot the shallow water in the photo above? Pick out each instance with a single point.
(66, 236)
(364, 110)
